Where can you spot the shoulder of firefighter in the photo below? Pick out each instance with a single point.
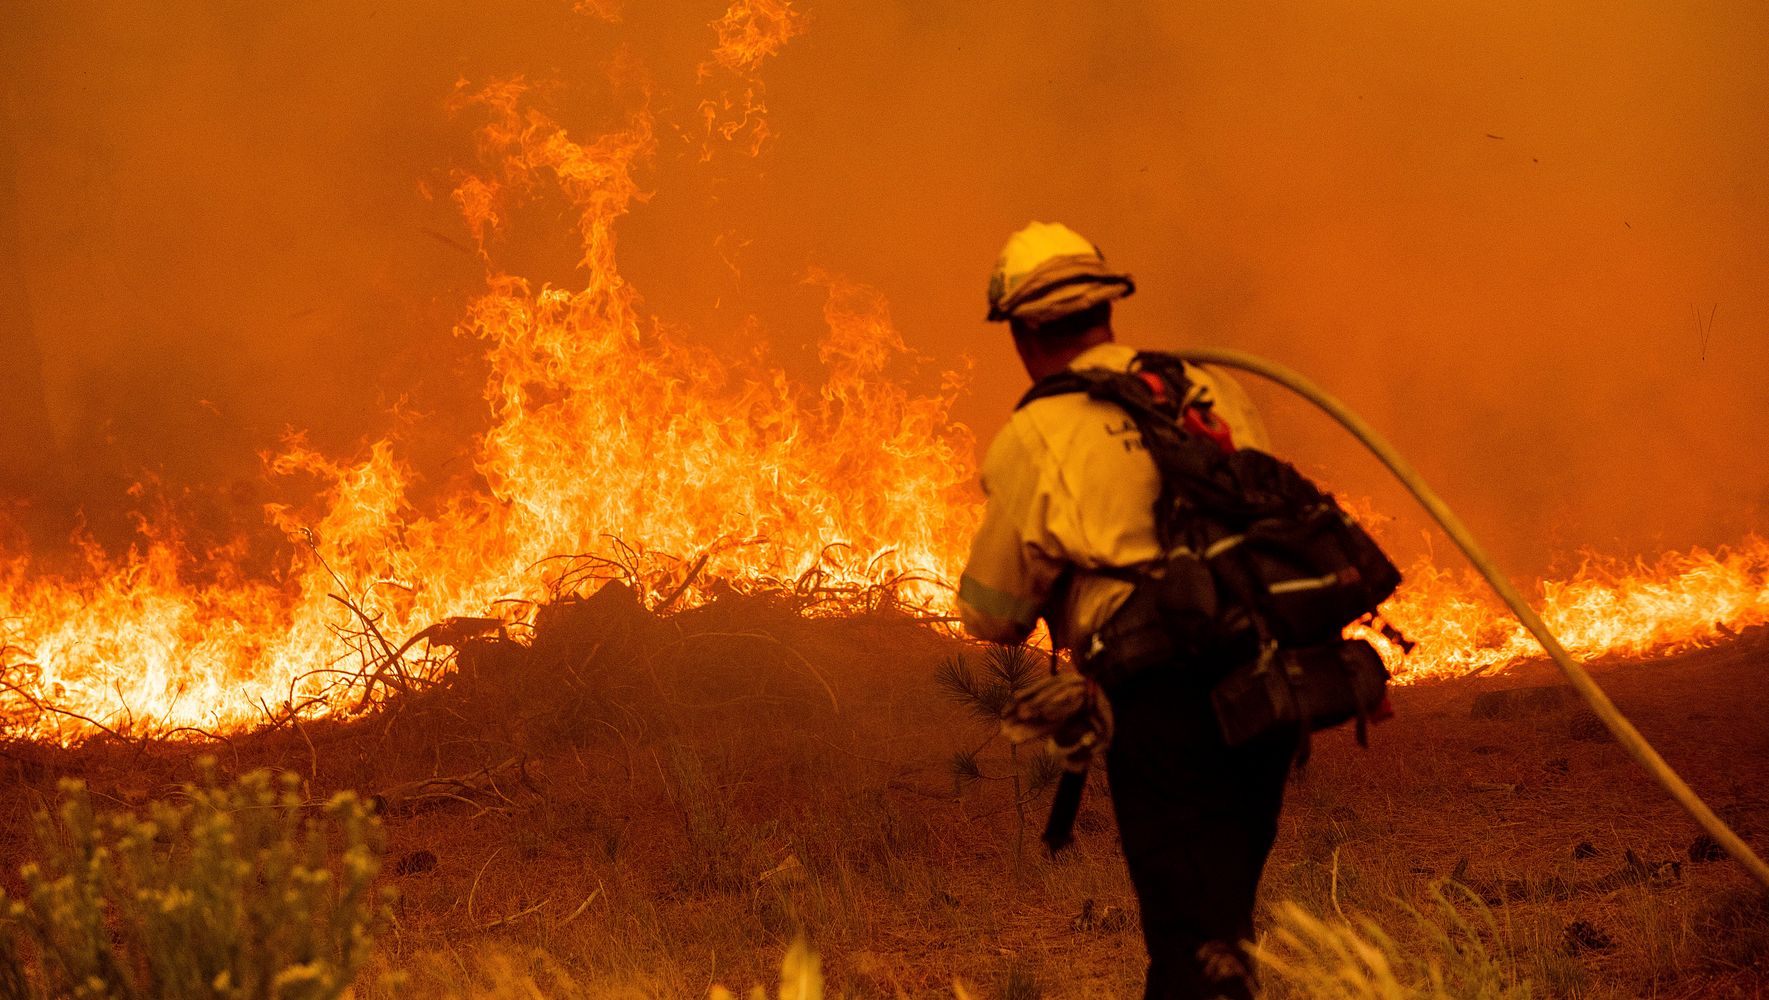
(1070, 490)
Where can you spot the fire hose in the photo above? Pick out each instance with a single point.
(1581, 680)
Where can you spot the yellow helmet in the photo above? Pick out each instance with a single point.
(1048, 271)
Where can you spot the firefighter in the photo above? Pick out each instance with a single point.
(1071, 493)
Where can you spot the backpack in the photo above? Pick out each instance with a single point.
(1261, 574)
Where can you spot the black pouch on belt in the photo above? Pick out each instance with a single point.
(1311, 688)
(1172, 616)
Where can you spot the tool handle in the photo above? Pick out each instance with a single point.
(1059, 830)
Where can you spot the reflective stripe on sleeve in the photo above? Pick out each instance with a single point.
(996, 603)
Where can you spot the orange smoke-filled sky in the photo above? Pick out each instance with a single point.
(1498, 230)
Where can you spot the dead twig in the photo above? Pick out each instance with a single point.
(581, 907)
(473, 890)
(682, 588)
(518, 915)
(471, 789)
(43, 706)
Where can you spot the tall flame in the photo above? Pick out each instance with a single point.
(612, 449)
(624, 450)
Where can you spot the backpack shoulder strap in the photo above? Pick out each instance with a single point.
(1154, 393)
(1069, 380)
(1155, 383)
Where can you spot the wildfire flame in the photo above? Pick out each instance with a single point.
(612, 450)
(1609, 607)
(750, 33)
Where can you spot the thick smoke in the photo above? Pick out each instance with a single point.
(1528, 244)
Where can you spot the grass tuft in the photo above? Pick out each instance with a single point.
(1461, 954)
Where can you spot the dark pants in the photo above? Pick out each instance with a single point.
(1197, 819)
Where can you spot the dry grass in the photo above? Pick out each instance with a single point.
(1458, 950)
(634, 806)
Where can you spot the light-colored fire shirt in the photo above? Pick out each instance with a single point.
(1070, 487)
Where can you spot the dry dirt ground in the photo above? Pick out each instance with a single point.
(656, 805)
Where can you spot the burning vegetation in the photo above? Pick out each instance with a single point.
(670, 585)
(610, 446)
(617, 451)
(613, 453)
